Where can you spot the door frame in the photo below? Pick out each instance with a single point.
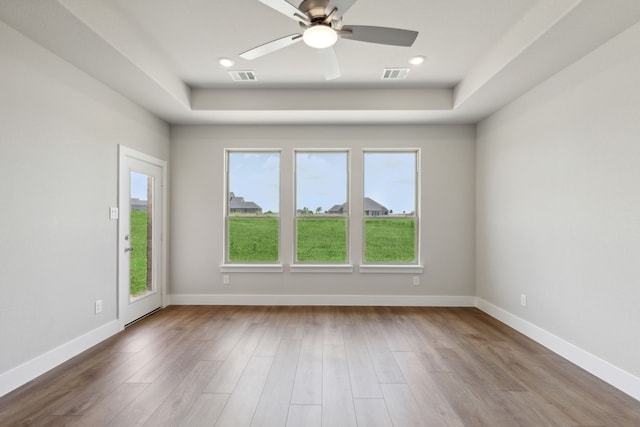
(123, 153)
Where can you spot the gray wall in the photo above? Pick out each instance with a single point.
(197, 188)
(558, 204)
(59, 136)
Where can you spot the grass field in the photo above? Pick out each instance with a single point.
(322, 240)
(138, 260)
(253, 240)
(390, 240)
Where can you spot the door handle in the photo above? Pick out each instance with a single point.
(128, 250)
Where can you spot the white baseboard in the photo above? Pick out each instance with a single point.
(602, 369)
(338, 300)
(26, 372)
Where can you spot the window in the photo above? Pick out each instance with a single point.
(252, 207)
(322, 207)
(390, 207)
(141, 233)
(318, 220)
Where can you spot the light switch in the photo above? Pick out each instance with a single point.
(113, 213)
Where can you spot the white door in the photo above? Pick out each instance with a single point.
(140, 258)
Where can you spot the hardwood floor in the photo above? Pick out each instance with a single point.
(313, 366)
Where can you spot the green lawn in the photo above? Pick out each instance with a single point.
(322, 240)
(253, 240)
(138, 260)
(390, 240)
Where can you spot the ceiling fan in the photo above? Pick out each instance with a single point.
(321, 21)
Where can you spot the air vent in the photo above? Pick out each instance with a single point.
(243, 76)
(395, 73)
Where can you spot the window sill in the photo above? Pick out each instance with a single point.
(251, 268)
(393, 269)
(321, 268)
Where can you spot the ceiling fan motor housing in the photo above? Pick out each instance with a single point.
(316, 11)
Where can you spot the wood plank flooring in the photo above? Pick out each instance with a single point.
(318, 366)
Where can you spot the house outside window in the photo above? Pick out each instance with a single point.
(252, 226)
(321, 233)
(237, 205)
(391, 207)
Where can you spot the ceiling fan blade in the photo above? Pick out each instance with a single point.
(380, 35)
(271, 46)
(329, 63)
(341, 5)
(286, 9)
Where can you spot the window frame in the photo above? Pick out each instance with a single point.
(393, 267)
(319, 266)
(247, 266)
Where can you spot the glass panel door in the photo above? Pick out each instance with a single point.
(140, 269)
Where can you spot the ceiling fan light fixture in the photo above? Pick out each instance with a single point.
(320, 36)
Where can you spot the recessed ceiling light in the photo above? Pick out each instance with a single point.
(417, 60)
(226, 62)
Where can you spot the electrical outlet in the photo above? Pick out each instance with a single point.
(99, 306)
(523, 300)
(416, 280)
(225, 279)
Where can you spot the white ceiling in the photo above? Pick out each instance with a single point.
(163, 54)
(191, 35)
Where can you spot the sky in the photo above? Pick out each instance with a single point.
(256, 177)
(321, 179)
(138, 186)
(390, 179)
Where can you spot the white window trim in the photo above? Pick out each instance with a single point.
(300, 267)
(251, 268)
(391, 269)
(311, 267)
(321, 268)
(229, 267)
(414, 267)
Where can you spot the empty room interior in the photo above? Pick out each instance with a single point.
(320, 212)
